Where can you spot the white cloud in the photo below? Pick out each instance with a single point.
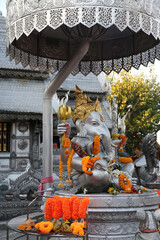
(3, 7)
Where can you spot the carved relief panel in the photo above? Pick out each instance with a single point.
(22, 138)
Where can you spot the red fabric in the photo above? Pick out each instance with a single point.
(149, 231)
(44, 180)
(78, 149)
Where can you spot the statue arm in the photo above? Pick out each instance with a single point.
(76, 163)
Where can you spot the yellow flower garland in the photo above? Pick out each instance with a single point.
(87, 163)
(77, 228)
(96, 145)
(60, 171)
(66, 143)
(45, 227)
(69, 162)
(123, 137)
(125, 187)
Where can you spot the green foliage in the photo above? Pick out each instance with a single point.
(142, 92)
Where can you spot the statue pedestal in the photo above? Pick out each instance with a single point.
(114, 217)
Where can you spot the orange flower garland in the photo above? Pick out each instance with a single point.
(77, 228)
(123, 137)
(45, 227)
(87, 163)
(75, 209)
(125, 187)
(83, 207)
(96, 145)
(37, 225)
(48, 209)
(71, 200)
(29, 227)
(60, 171)
(67, 151)
(57, 211)
(126, 160)
(69, 162)
(66, 143)
(66, 208)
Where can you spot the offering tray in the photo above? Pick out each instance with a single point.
(37, 217)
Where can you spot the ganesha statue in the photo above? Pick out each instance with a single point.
(92, 151)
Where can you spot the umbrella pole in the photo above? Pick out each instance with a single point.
(48, 110)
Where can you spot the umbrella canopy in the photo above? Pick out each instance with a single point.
(46, 33)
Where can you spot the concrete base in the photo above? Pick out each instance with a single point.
(114, 217)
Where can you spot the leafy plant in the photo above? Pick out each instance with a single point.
(142, 92)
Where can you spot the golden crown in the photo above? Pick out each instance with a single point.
(84, 106)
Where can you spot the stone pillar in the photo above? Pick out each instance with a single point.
(35, 149)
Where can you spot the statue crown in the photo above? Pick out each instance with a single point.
(84, 106)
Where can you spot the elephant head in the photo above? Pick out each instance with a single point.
(94, 125)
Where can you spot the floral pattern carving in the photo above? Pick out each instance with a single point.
(23, 16)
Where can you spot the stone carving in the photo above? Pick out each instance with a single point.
(35, 150)
(110, 228)
(108, 216)
(117, 222)
(22, 127)
(30, 179)
(146, 169)
(90, 123)
(7, 210)
(148, 225)
(22, 144)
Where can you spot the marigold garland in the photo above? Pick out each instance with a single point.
(125, 187)
(69, 162)
(60, 171)
(66, 143)
(87, 163)
(67, 151)
(48, 209)
(83, 207)
(77, 228)
(96, 145)
(75, 208)
(45, 227)
(57, 211)
(66, 208)
(71, 200)
(29, 227)
(37, 224)
(123, 137)
(126, 160)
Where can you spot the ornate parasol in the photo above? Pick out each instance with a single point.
(72, 36)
